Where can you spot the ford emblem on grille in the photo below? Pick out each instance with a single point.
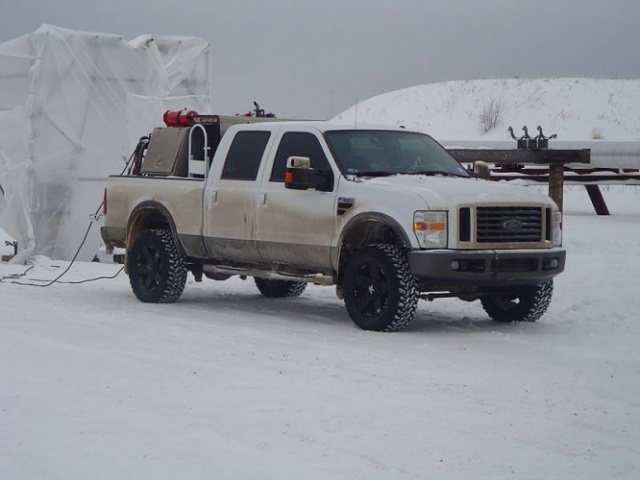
(513, 225)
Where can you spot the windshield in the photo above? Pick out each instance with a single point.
(390, 152)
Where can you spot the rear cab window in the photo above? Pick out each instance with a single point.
(245, 154)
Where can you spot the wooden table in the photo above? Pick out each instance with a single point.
(517, 160)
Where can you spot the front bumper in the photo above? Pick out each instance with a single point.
(487, 267)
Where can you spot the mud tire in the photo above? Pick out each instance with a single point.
(157, 270)
(279, 288)
(527, 304)
(379, 289)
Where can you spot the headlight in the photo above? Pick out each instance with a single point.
(556, 229)
(430, 229)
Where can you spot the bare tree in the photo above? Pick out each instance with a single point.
(490, 115)
(597, 134)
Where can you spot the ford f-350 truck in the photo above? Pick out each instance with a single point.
(384, 214)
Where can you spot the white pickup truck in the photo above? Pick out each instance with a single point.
(384, 214)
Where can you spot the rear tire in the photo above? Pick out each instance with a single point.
(279, 288)
(157, 270)
(527, 304)
(379, 289)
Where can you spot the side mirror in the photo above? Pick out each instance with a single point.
(299, 174)
(481, 170)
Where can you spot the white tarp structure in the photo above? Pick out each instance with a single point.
(72, 107)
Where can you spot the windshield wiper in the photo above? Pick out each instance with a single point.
(372, 173)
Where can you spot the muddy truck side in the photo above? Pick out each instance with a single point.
(385, 215)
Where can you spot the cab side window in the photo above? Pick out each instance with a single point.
(299, 144)
(245, 153)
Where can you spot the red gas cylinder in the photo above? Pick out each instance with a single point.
(179, 118)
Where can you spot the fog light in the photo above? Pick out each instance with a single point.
(455, 265)
(550, 263)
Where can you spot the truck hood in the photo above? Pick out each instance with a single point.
(444, 193)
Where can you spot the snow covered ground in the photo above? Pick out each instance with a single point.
(226, 384)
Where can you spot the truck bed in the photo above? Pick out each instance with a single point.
(178, 196)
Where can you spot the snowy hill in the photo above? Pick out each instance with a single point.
(574, 108)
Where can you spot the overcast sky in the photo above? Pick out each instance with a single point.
(313, 59)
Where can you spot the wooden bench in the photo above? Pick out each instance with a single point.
(590, 178)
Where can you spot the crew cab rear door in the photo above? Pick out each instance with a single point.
(230, 223)
(296, 227)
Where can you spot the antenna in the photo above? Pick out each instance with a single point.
(356, 115)
(331, 103)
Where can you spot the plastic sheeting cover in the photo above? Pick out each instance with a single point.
(72, 107)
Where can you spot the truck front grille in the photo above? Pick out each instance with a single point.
(505, 224)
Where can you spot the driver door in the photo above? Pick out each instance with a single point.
(297, 227)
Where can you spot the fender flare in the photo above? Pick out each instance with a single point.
(153, 206)
(368, 217)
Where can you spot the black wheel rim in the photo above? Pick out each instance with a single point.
(371, 289)
(149, 268)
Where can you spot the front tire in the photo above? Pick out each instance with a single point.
(379, 289)
(279, 288)
(527, 304)
(157, 270)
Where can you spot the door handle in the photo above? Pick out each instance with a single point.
(262, 198)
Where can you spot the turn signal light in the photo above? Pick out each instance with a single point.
(433, 226)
